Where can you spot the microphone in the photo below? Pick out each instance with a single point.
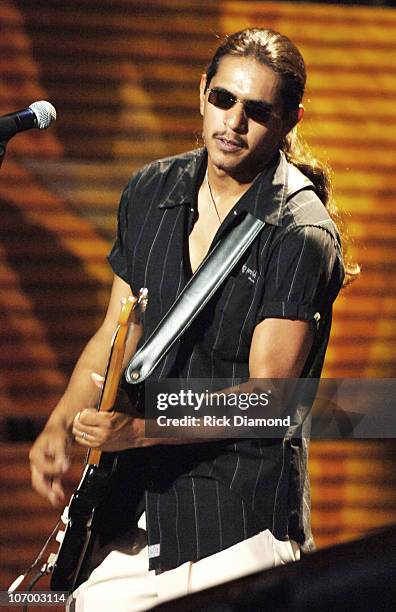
(38, 115)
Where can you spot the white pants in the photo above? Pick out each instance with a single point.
(123, 583)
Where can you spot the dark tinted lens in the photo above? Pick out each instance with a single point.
(221, 99)
(258, 112)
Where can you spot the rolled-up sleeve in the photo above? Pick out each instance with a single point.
(117, 257)
(299, 273)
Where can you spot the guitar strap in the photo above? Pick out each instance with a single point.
(196, 294)
(214, 269)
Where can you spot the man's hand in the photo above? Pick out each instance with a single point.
(109, 431)
(49, 460)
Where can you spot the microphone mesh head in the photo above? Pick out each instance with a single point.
(44, 112)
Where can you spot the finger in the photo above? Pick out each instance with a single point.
(49, 460)
(83, 443)
(85, 431)
(56, 461)
(97, 379)
(88, 441)
(79, 432)
(48, 487)
(55, 449)
(57, 494)
(41, 483)
(92, 437)
(93, 418)
(76, 423)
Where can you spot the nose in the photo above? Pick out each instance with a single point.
(236, 118)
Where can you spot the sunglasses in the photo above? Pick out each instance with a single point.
(257, 111)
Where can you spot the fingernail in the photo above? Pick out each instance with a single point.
(97, 377)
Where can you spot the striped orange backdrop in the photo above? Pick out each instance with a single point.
(123, 75)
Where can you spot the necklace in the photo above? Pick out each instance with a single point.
(211, 197)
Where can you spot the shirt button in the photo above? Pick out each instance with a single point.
(150, 484)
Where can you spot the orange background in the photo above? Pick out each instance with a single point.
(123, 75)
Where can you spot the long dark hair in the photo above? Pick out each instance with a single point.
(282, 56)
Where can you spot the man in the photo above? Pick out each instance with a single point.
(213, 510)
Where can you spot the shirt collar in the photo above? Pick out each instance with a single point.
(267, 196)
(265, 199)
(184, 188)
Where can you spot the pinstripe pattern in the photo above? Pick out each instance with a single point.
(274, 509)
(245, 527)
(220, 328)
(169, 356)
(257, 479)
(197, 555)
(296, 271)
(177, 525)
(161, 288)
(236, 467)
(220, 529)
(205, 497)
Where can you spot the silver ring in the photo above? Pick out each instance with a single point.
(84, 435)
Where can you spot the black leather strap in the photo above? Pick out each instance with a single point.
(211, 273)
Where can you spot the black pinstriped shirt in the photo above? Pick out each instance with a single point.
(202, 498)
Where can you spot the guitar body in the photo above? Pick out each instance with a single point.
(70, 566)
(68, 571)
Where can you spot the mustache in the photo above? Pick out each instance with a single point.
(235, 139)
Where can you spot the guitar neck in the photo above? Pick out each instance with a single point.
(115, 364)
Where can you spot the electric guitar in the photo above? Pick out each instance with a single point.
(75, 539)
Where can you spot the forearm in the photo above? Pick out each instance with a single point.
(217, 415)
(81, 391)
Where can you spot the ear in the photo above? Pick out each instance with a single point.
(202, 86)
(293, 119)
(300, 112)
